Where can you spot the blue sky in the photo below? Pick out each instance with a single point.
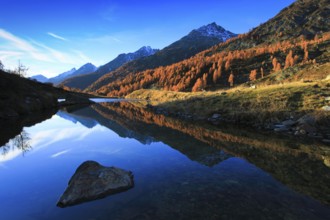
(53, 36)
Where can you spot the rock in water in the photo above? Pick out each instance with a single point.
(93, 181)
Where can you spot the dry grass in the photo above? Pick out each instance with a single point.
(265, 103)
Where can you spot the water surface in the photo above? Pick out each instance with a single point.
(181, 170)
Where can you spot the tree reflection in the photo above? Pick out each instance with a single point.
(20, 142)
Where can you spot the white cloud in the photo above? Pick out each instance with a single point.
(38, 56)
(7, 54)
(59, 153)
(20, 45)
(57, 55)
(57, 36)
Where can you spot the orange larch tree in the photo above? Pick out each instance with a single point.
(231, 79)
(289, 61)
(253, 75)
(227, 65)
(198, 85)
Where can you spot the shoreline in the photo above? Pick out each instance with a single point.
(294, 109)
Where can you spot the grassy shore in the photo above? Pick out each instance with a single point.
(260, 106)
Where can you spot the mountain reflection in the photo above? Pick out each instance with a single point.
(146, 133)
(300, 165)
(303, 166)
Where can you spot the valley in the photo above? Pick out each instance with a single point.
(229, 118)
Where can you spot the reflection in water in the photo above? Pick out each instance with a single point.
(20, 142)
(182, 170)
(126, 126)
(300, 165)
(13, 138)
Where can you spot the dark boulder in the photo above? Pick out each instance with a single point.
(93, 181)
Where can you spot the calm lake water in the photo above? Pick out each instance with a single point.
(181, 170)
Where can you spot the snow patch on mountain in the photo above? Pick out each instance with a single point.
(127, 57)
(214, 30)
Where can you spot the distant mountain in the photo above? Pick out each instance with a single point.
(195, 42)
(58, 79)
(84, 81)
(85, 69)
(85, 121)
(39, 78)
(212, 30)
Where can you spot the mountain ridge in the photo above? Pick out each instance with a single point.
(263, 51)
(184, 48)
(81, 82)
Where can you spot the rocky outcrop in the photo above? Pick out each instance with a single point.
(93, 181)
(307, 125)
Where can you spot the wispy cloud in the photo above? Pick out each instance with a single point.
(55, 54)
(20, 45)
(57, 36)
(37, 55)
(8, 54)
(59, 153)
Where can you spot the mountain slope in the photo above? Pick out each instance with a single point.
(302, 18)
(195, 42)
(82, 82)
(284, 45)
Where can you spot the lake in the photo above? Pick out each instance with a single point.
(182, 169)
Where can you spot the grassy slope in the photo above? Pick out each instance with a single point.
(265, 104)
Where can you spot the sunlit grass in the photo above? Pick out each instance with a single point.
(265, 103)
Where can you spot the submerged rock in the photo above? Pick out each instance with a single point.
(288, 123)
(307, 119)
(93, 181)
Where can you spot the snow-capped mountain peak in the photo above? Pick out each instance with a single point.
(214, 30)
(145, 51)
(142, 52)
